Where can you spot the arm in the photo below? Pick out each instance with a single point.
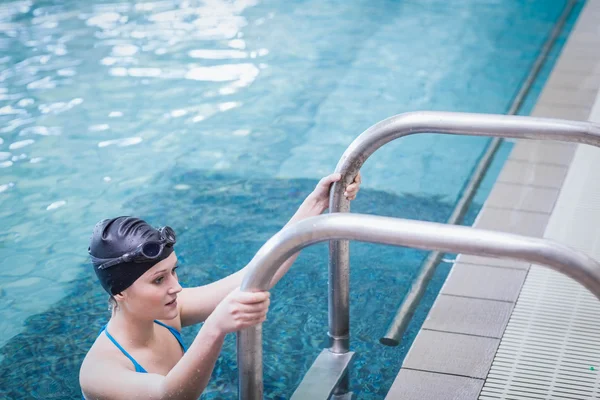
(109, 380)
(313, 205)
(197, 303)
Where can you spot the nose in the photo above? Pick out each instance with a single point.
(175, 287)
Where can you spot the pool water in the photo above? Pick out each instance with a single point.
(217, 118)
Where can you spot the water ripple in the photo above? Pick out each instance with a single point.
(20, 144)
(121, 142)
(105, 21)
(217, 54)
(56, 204)
(220, 73)
(6, 186)
(40, 130)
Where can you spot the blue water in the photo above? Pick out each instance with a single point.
(217, 118)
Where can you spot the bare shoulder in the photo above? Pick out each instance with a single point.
(101, 359)
(102, 350)
(106, 375)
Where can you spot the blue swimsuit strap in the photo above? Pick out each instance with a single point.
(175, 333)
(138, 367)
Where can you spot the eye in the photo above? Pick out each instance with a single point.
(174, 270)
(159, 280)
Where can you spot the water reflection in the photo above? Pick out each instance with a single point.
(57, 51)
(26, 102)
(6, 186)
(9, 110)
(121, 142)
(245, 73)
(58, 107)
(104, 20)
(99, 128)
(124, 50)
(41, 130)
(56, 204)
(217, 54)
(20, 144)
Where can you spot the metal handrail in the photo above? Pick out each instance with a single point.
(423, 122)
(398, 232)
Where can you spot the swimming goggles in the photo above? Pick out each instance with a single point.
(147, 251)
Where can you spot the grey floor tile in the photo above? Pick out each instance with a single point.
(535, 151)
(452, 353)
(588, 23)
(484, 282)
(521, 197)
(576, 50)
(580, 65)
(421, 385)
(573, 97)
(520, 222)
(520, 172)
(590, 15)
(575, 113)
(493, 262)
(573, 80)
(469, 316)
(583, 37)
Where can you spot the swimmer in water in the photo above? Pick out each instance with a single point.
(139, 354)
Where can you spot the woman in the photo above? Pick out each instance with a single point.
(140, 354)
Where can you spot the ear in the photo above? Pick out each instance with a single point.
(119, 296)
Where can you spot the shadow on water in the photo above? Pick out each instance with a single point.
(221, 222)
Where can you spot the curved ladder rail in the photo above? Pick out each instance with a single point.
(408, 124)
(398, 232)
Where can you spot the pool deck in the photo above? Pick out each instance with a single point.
(505, 329)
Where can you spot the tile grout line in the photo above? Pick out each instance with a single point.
(462, 333)
(442, 373)
(491, 266)
(527, 185)
(520, 210)
(525, 161)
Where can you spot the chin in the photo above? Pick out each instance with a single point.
(169, 315)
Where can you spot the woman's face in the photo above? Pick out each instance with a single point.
(154, 294)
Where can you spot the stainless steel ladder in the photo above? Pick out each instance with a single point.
(331, 365)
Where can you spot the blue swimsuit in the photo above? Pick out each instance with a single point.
(138, 367)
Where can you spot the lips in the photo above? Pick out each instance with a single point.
(171, 302)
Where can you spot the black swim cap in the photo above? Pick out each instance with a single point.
(113, 238)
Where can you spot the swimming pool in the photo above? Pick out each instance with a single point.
(217, 118)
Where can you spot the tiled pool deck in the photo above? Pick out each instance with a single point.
(465, 347)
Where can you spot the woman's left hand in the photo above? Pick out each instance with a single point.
(321, 193)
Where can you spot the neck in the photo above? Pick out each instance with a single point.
(137, 331)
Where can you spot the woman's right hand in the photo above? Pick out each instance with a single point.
(239, 310)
